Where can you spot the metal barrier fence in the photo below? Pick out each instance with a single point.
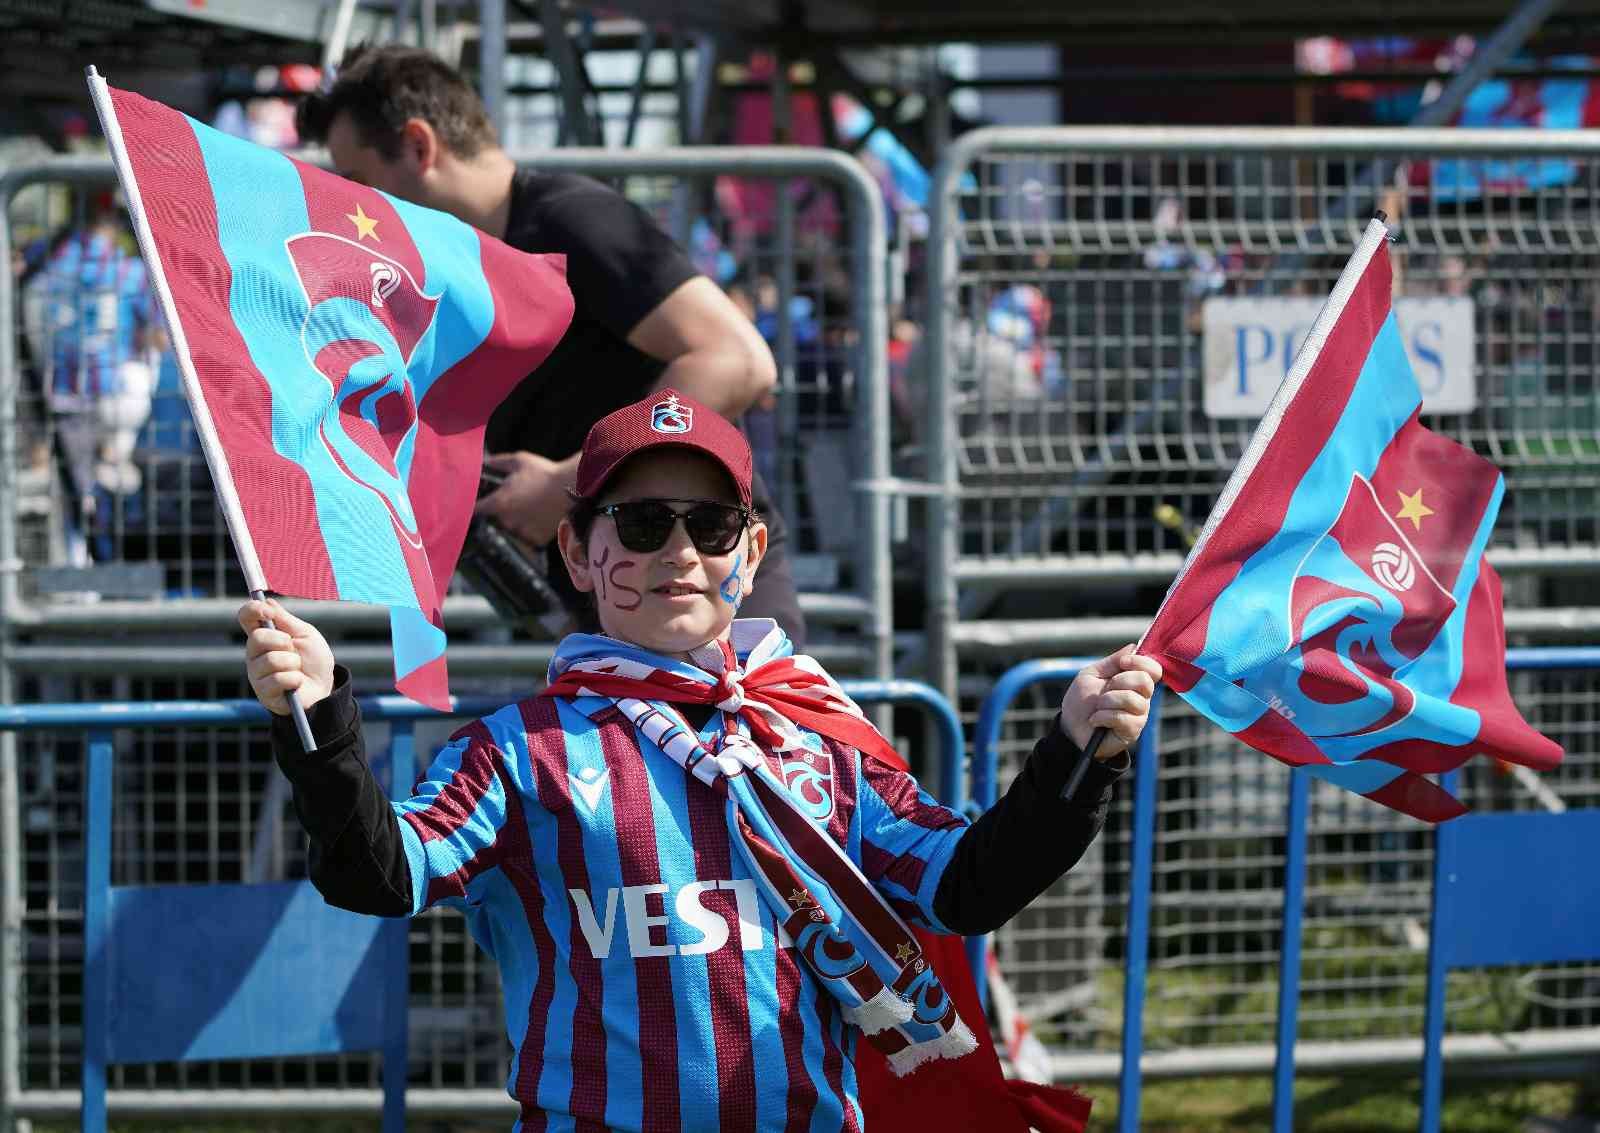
(1237, 917)
(150, 618)
(1110, 308)
(182, 810)
(99, 466)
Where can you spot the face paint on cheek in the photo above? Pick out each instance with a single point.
(638, 598)
(732, 588)
(597, 569)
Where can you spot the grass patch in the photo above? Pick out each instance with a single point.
(1346, 1104)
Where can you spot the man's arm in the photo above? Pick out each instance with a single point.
(628, 275)
(713, 353)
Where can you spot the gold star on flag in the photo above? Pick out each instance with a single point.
(904, 953)
(799, 898)
(365, 225)
(1412, 508)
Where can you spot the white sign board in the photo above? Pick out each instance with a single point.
(1251, 343)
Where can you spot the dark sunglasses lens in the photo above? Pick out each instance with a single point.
(714, 527)
(643, 526)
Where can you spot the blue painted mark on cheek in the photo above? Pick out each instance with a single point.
(732, 588)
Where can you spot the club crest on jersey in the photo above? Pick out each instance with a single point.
(808, 773)
(671, 416)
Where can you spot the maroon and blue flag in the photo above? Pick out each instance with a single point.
(342, 351)
(1337, 611)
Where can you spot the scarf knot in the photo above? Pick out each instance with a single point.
(728, 695)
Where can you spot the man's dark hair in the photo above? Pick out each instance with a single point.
(381, 87)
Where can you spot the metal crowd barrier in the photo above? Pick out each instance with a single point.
(357, 1092)
(1072, 273)
(1146, 894)
(133, 603)
(806, 232)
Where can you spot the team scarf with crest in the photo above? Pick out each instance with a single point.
(842, 927)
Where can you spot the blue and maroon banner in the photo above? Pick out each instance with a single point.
(342, 351)
(1337, 612)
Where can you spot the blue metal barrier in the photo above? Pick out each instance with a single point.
(101, 721)
(985, 754)
(1146, 760)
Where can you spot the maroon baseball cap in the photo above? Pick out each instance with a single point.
(662, 419)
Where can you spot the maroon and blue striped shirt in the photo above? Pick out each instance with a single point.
(646, 984)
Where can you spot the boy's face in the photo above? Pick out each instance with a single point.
(677, 597)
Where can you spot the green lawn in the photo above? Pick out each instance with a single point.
(1349, 1104)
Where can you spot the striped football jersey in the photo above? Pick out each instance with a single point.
(646, 985)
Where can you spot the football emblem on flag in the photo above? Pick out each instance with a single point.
(365, 317)
(384, 280)
(1393, 567)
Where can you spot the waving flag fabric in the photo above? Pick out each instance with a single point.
(1337, 612)
(342, 351)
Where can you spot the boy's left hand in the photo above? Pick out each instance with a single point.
(1113, 693)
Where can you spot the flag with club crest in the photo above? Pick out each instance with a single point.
(341, 351)
(1336, 611)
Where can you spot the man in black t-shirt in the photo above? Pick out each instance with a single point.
(401, 120)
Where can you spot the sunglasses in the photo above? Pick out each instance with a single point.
(646, 525)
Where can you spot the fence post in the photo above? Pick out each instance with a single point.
(396, 1021)
(1294, 899)
(11, 925)
(944, 514)
(96, 929)
(1434, 1005)
(1140, 877)
(870, 245)
(11, 914)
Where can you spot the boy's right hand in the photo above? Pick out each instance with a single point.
(293, 657)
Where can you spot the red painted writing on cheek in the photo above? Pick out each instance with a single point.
(615, 585)
(597, 566)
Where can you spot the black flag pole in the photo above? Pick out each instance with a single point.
(1075, 780)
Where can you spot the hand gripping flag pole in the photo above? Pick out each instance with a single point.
(342, 352)
(1337, 611)
(216, 457)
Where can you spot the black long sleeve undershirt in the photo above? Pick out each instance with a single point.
(356, 859)
(1031, 836)
(1010, 855)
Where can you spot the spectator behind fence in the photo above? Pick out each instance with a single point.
(98, 340)
(761, 419)
(401, 120)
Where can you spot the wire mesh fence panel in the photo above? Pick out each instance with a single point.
(1063, 953)
(109, 471)
(1118, 320)
(1217, 895)
(1114, 310)
(781, 250)
(187, 809)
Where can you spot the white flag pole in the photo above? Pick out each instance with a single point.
(216, 458)
(1376, 232)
